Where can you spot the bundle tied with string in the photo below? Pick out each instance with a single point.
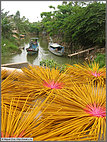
(8, 90)
(78, 117)
(84, 73)
(48, 105)
(40, 82)
(20, 123)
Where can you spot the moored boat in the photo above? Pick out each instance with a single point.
(56, 49)
(34, 46)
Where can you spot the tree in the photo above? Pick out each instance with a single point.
(81, 23)
(6, 24)
(88, 27)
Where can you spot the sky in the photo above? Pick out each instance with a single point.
(30, 9)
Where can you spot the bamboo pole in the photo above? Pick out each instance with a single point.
(70, 55)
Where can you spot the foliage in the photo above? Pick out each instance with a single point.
(12, 26)
(100, 58)
(21, 24)
(52, 64)
(78, 23)
(9, 47)
(34, 27)
(6, 24)
(89, 26)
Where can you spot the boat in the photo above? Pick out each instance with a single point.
(33, 46)
(22, 36)
(56, 49)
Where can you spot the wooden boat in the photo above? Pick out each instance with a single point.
(56, 49)
(32, 51)
(22, 36)
(33, 46)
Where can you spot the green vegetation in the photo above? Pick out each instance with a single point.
(9, 47)
(12, 27)
(100, 58)
(52, 64)
(78, 23)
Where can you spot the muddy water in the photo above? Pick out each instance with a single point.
(43, 53)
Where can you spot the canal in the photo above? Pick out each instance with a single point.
(43, 54)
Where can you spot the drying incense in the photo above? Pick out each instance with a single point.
(87, 73)
(48, 105)
(80, 117)
(39, 82)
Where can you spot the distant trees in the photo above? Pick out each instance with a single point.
(79, 23)
(12, 27)
(35, 27)
(6, 24)
(88, 27)
(11, 22)
(21, 24)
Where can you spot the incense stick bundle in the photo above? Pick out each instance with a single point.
(87, 73)
(82, 117)
(51, 106)
(8, 71)
(18, 123)
(8, 90)
(3, 74)
(39, 81)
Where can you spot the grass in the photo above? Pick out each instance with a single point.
(9, 47)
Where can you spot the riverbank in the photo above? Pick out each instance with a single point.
(9, 47)
(45, 56)
(98, 54)
(12, 45)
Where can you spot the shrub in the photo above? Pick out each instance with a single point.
(52, 64)
(100, 58)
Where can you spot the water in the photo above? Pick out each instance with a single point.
(43, 53)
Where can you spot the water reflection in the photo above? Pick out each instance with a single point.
(43, 53)
(32, 58)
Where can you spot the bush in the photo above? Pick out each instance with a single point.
(9, 47)
(52, 64)
(88, 28)
(100, 58)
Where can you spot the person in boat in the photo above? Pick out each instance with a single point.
(31, 43)
(56, 49)
(34, 46)
(35, 42)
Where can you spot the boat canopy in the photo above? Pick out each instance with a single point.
(55, 45)
(34, 38)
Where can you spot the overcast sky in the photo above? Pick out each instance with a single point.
(29, 9)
